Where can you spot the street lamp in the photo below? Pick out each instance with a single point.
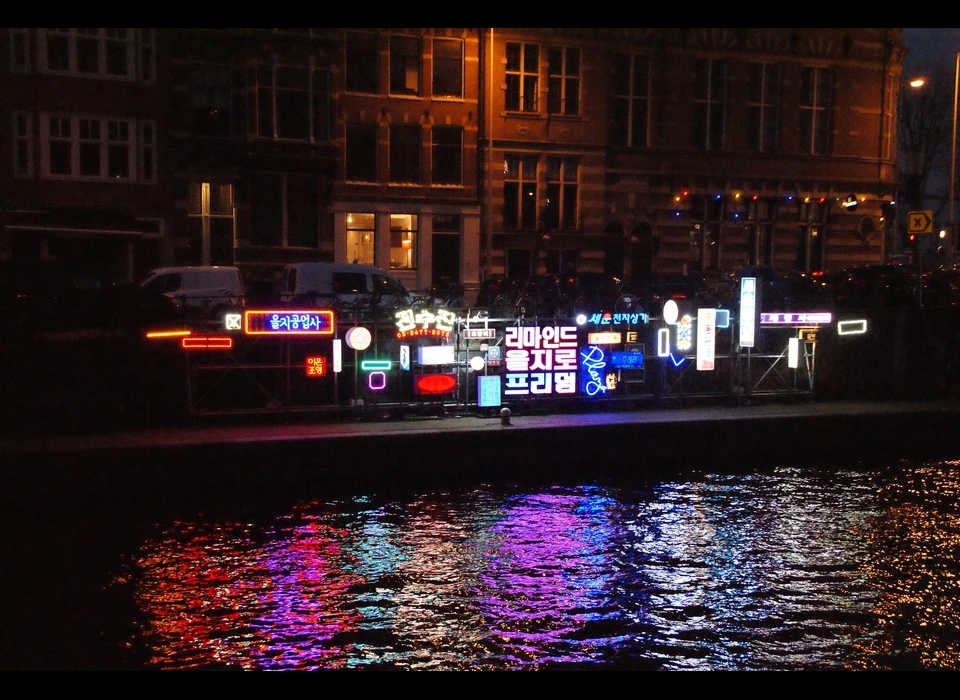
(951, 227)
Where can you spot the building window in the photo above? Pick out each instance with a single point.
(448, 68)
(211, 98)
(709, 96)
(19, 50)
(103, 52)
(210, 222)
(361, 62)
(523, 77)
(631, 100)
(361, 237)
(291, 102)
(405, 151)
(147, 56)
(284, 210)
(562, 190)
(361, 153)
(520, 192)
(148, 151)
(763, 90)
(89, 148)
(403, 241)
(563, 80)
(404, 65)
(448, 155)
(22, 145)
(816, 91)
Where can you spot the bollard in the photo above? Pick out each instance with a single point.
(504, 416)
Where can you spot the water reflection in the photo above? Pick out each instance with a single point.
(793, 568)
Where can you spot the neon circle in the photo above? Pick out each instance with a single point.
(358, 338)
(477, 362)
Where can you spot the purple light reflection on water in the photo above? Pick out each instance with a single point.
(786, 569)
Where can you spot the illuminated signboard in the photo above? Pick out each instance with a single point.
(748, 311)
(793, 353)
(488, 390)
(376, 365)
(626, 360)
(316, 366)
(604, 338)
(479, 333)
(288, 322)
(423, 323)
(232, 322)
(435, 355)
(616, 319)
(202, 342)
(796, 319)
(434, 384)
(405, 357)
(595, 380)
(540, 361)
(684, 333)
(706, 338)
(376, 381)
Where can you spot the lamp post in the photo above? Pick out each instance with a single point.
(951, 226)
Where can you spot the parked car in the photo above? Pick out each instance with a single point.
(342, 284)
(190, 293)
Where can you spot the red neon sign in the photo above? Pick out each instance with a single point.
(316, 366)
(206, 342)
(429, 384)
(288, 322)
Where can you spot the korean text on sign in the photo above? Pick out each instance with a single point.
(540, 360)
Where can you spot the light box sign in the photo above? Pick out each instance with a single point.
(605, 338)
(436, 355)
(424, 323)
(796, 319)
(706, 339)
(748, 311)
(488, 390)
(479, 333)
(288, 322)
(202, 342)
(626, 360)
(540, 360)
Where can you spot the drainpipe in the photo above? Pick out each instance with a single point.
(488, 269)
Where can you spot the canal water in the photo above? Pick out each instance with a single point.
(852, 567)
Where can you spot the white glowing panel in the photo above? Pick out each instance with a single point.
(358, 338)
(670, 312)
(663, 342)
(435, 355)
(793, 353)
(706, 339)
(851, 327)
(604, 338)
(748, 311)
(337, 355)
(232, 322)
(405, 357)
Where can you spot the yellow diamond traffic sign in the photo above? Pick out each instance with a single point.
(920, 222)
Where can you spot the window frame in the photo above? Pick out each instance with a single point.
(635, 106)
(23, 142)
(401, 63)
(816, 108)
(406, 155)
(562, 82)
(437, 76)
(352, 173)
(438, 161)
(709, 104)
(77, 40)
(79, 140)
(763, 107)
(523, 78)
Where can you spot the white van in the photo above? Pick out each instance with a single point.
(328, 284)
(210, 291)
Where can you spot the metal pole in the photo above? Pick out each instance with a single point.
(951, 226)
(489, 251)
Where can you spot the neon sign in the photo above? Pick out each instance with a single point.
(433, 384)
(423, 323)
(316, 366)
(202, 342)
(626, 360)
(540, 360)
(594, 381)
(706, 339)
(616, 319)
(288, 322)
(684, 333)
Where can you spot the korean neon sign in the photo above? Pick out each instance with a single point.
(424, 323)
(316, 366)
(540, 361)
(288, 322)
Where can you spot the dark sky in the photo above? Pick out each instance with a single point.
(931, 44)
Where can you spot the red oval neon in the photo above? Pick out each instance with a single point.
(436, 383)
